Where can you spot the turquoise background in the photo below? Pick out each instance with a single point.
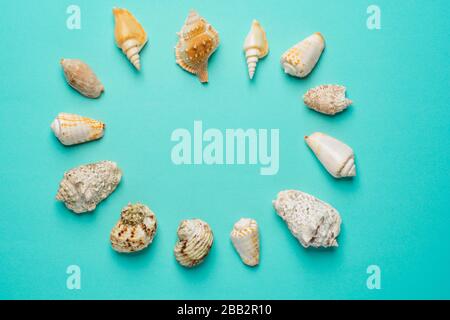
(395, 212)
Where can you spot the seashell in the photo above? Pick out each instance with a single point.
(255, 47)
(130, 35)
(74, 129)
(245, 238)
(135, 230)
(197, 41)
(84, 187)
(299, 60)
(195, 239)
(81, 77)
(335, 156)
(328, 99)
(313, 222)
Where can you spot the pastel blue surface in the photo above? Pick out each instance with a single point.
(395, 212)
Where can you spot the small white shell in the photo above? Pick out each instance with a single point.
(299, 60)
(135, 230)
(74, 129)
(337, 157)
(195, 239)
(328, 99)
(245, 238)
(313, 222)
(255, 47)
(81, 77)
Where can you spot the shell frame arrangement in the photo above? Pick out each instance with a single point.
(255, 47)
(328, 99)
(245, 239)
(81, 77)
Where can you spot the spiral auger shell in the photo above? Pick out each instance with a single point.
(255, 47)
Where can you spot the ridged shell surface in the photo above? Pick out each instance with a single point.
(195, 239)
(255, 47)
(81, 77)
(313, 222)
(84, 187)
(197, 41)
(328, 99)
(73, 129)
(135, 229)
(337, 157)
(245, 239)
(300, 60)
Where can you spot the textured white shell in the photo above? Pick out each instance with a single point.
(299, 60)
(84, 187)
(195, 239)
(245, 238)
(328, 99)
(313, 222)
(81, 77)
(135, 230)
(74, 129)
(337, 157)
(255, 47)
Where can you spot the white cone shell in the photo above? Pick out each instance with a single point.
(337, 157)
(328, 99)
(299, 60)
(245, 238)
(313, 222)
(73, 129)
(255, 47)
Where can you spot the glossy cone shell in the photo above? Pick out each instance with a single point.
(299, 60)
(84, 187)
(197, 41)
(328, 99)
(74, 129)
(313, 222)
(337, 157)
(135, 230)
(81, 77)
(245, 238)
(195, 239)
(255, 47)
(130, 35)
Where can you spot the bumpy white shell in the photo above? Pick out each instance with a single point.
(255, 47)
(84, 187)
(195, 239)
(135, 230)
(81, 77)
(299, 60)
(337, 157)
(328, 99)
(245, 238)
(74, 129)
(313, 222)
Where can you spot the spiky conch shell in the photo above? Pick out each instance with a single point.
(245, 238)
(130, 35)
(84, 187)
(299, 60)
(195, 239)
(327, 99)
(197, 41)
(313, 222)
(81, 77)
(255, 46)
(337, 157)
(73, 129)
(135, 229)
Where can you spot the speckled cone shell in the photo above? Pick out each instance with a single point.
(195, 239)
(84, 187)
(74, 129)
(81, 77)
(130, 35)
(299, 60)
(313, 222)
(197, 41)
(337, 157)
(245, 238)
(135, 230)
(255, 47)
(328, 99)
